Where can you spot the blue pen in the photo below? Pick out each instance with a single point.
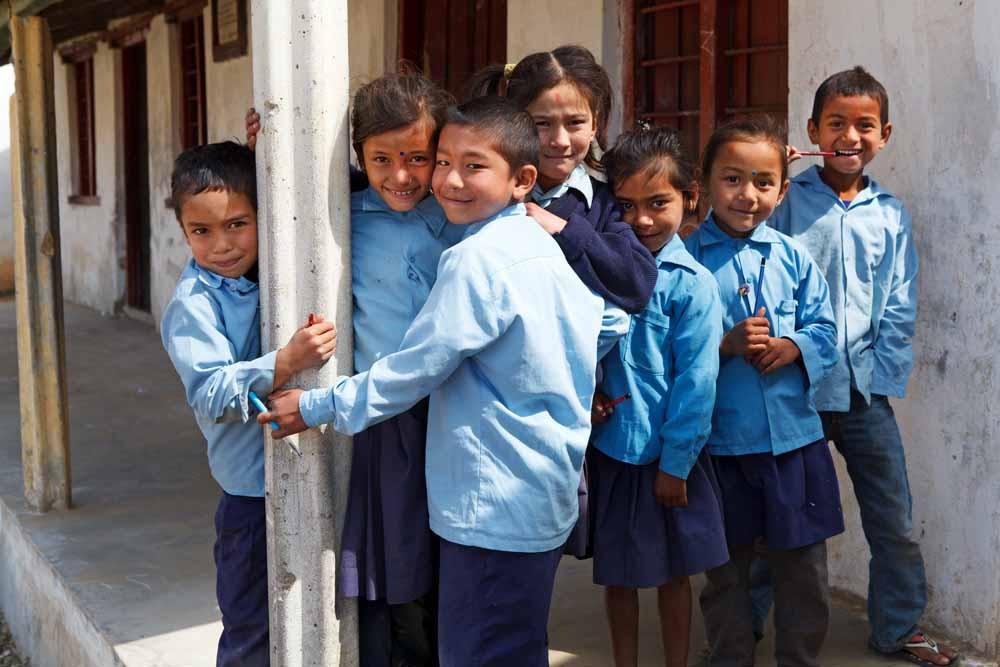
(760, 286)
(261, 408)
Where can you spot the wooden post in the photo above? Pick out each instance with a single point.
(708, 68)
(301, 90)
(41, 350)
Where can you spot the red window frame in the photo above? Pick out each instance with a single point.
(692, 64)
(194, 125)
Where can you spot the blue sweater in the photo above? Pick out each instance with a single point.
(603, 250)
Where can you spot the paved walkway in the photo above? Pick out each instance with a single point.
(136, 550)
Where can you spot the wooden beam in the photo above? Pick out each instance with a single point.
(41, 350)
(707, 71)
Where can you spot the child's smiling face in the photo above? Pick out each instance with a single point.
(745, 185)
(850, 123)
(566, 126)
(221, 228)
(472, 181)
(653, 206)
(399, 164)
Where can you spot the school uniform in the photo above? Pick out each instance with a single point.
(211, 331)
(388, 554)
(507, 427)
(866, 250)
(667, 364)
(605, 253)
(778, 483)
(602, 248)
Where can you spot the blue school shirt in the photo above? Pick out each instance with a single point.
(394, 258)
(506, 346)
(773, 413)
(866, 250)
(211, 330)
(669, 363)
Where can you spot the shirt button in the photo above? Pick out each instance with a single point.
(411, 274)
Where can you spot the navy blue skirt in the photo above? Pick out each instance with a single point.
(639, 543)
(387, 550)
(791, 500)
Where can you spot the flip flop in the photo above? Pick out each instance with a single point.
(927, 643)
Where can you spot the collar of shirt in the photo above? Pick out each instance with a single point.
(428, 210)
(711, 233)
(578, 180)
(513, 209)
(811, 180)
(675, 253)
(242, 284)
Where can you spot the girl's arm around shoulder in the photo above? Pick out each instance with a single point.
(696, 319)
(604, 251)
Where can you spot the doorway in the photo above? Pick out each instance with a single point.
(136, 167)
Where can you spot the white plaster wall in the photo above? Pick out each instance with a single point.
(542, 25)
(941, 65)
(6, 216)
(90, 270)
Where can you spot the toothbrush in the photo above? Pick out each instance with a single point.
(837, 153)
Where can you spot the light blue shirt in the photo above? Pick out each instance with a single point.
(211, 330)
(578, 180)
(773, 413)
(506, 347)
(669, 363)
(394, 258)
(867, 253)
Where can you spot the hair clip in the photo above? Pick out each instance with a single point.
(643, 125)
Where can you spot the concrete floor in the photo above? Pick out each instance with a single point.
(135, 552)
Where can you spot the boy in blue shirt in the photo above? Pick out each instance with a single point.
(211, 330)
(862, 239)
(506, 346)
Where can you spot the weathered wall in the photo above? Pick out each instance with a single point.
(371, 40)
(941, 65)
(542, 25)
(89, 233)
(6, 220)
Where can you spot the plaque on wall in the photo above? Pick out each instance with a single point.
(229, 29)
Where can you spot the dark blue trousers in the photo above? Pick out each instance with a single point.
(494, 606)
(241, 581)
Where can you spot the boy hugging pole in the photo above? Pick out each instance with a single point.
(301, 89)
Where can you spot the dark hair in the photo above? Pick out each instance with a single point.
(394, 101)
(226, 165)
(510, 128)
(855, 82)
(536, 73)
(755, 129)
(655, 152)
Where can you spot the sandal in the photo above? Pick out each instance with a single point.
(926, 643)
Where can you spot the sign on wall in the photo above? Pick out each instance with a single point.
(229, 29)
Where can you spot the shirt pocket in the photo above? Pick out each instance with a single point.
(646, 342)
(785, 320)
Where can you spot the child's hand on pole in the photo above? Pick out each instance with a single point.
(747, 338)
(252, 121)
(283, 409)
(601, 409)
(670, 491)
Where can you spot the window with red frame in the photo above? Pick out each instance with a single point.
(85, 169)
(698, 63)
(194, 129)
